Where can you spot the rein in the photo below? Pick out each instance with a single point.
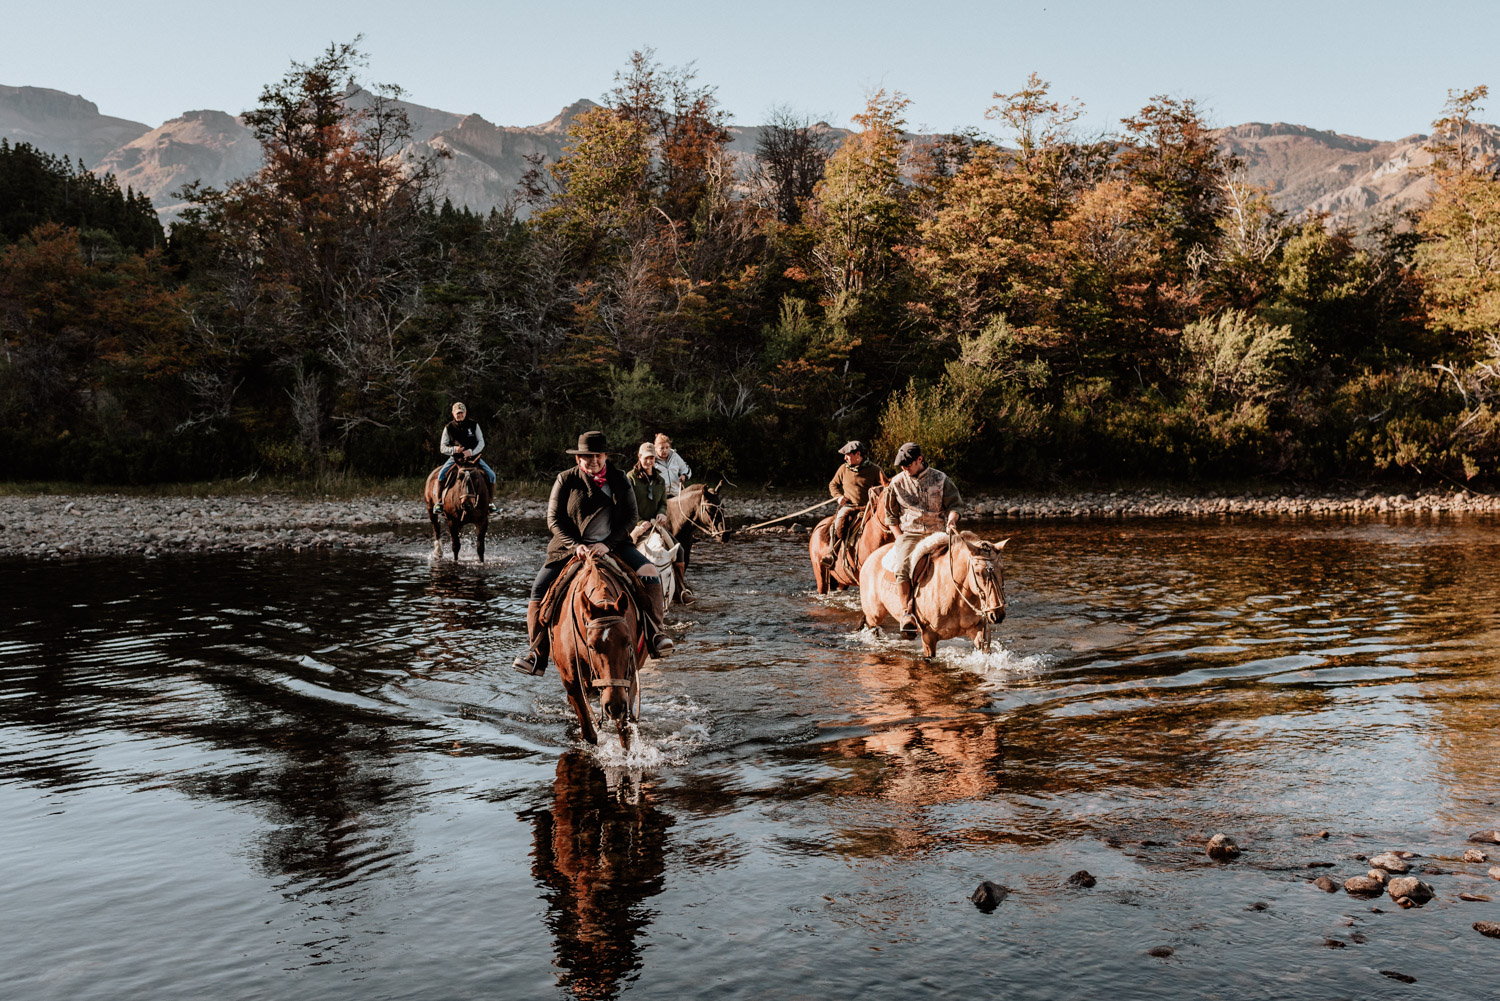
(689, 518)
(969, 576)
(598, 678)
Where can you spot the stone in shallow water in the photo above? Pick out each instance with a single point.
(1379, 875)
(1335, 943)
(1480, 898)
(1494, 872)
(1475, 855)
(1486, 837)
(1082, 878)
(987, 896)
(1409, 888)
(1325, 884)
(1390, 862)
(1397, 975)
(1221, 847)
(1362, 886)
(1163, 951)
(1490, 928)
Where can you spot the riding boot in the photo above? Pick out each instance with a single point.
(661, 643)
(830, 559)
(684, 596)
(534, 660)
(909, 625)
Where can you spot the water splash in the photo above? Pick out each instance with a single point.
(960, 653)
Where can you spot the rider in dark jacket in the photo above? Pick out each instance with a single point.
(850, 486)
(591, 510)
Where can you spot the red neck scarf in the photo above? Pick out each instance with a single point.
(601, 476)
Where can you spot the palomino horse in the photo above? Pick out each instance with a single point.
(696, 509)
(961, 591)
(465, 502)
(874, 533)
(597, 642)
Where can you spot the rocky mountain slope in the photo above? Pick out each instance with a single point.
(1307, 170)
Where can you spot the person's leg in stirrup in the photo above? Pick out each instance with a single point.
(534, 660)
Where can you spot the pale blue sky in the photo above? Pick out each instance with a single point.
(1378, 69)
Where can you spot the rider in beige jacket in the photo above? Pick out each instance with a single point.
(919, 501)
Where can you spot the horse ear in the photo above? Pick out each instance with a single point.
(719, 484)
(1000, 544)
(619, 605)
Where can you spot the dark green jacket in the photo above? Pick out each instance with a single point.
(650, 494)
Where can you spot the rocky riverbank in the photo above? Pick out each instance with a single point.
(55, 526)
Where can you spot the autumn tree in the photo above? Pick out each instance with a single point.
(1170, 149)
(790, 153)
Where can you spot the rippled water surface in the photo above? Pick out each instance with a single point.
(315, 776)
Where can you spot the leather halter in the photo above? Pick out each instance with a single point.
(689, 517)
(983, 613)
(597, 678)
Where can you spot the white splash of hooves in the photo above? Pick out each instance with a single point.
(995, 660)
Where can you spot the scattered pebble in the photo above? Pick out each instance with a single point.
(987, 896)
(1320, 865)
(1404, 888)
(1363, 886)
(1082, 878)
(1325, 884)
(1259, 905)
(1335, 943)
(1475, 855)
(1488, 928)
(1163, 951)
(1480, 898)
(1321, 834)
(1395, 975)
(1221, 847)
(1390, 862)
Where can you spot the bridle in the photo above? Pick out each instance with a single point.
(689, 517)
(602, 678)
(983, 613)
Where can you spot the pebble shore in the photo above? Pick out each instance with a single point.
(54, 526)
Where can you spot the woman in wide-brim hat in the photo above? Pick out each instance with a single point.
(591, 510)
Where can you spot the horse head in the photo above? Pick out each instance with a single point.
(609, 636)
(981, 584)
(468, 490)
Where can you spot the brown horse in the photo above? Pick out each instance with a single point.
(597, 643)
(959, 592)
(696, 510)
(874, 533)
(465, 502)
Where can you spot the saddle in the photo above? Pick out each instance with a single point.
(923, 558)
(552, 602)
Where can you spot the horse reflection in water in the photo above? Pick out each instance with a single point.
(600, 852)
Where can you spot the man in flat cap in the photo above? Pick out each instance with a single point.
(919, 501)
(850, 486)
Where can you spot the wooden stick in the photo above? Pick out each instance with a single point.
(788, 517)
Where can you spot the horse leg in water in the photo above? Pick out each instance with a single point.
(480, 527)
(437, 533)
(455, 532)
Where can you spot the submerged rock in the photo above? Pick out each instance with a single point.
(1490, 928)
(1082, 878)
(1390, 862)
(1163, 951)
(987, 896)
(1326, 885)
(1480, 898)
(1486, 837)
(1363, 886)
(1222, 848)
(1404, 888)
(1494, 872)
(1397, 975)
(1379, 875)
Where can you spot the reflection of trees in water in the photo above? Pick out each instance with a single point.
(456, 602)
(600, 853)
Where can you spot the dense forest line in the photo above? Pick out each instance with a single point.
(1033, 307)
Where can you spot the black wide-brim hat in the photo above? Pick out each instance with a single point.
(591, 443)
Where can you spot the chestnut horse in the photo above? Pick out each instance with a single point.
(961, 591)
(697, 509)
(874, 533)
(597, 643)
(465, 502)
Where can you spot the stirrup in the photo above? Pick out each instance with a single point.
(662, 645)
(686, 597)
(530, 664)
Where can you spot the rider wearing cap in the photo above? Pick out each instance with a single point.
(650, 490)
(591, 510)
(918, 501)
(850, 486)
(462, 439)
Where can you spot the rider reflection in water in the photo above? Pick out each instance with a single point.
(591, 511)
(600, 858)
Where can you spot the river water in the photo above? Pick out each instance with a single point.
(314, 775)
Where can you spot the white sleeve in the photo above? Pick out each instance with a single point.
(480, 435)
(446, 446)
